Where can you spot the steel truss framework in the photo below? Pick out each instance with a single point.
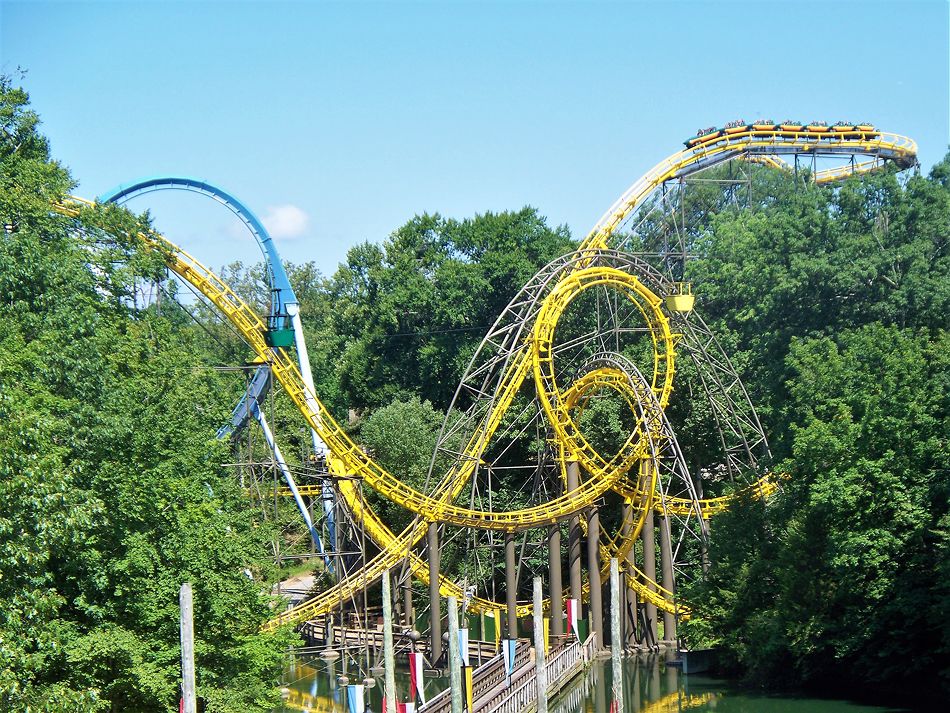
(524, 375)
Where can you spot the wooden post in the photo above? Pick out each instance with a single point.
(389, 655)
(540, 670)
(187, 650)
(435, 608)
(454, 658)
(511, 585)
(616, 636)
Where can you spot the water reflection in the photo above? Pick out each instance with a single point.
(315, 685)
(651, 684)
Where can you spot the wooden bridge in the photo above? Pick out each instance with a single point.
(315, 634)
(493, 693)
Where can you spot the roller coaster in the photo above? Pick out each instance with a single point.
(614, 317)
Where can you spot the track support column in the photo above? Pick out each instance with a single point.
(435, 607)
(649, 569)
(574, 537)
(593, 576)
(631, 615)
(409, 616)
(666, 565)
(511, 585)
(554, 581)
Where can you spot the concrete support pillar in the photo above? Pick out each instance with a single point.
(555, 584)
(511, 585)
(629, 596)
(574, 536)
(435, 608)
(666, 565)
(596, 617)
(649, 569)
(409, 615)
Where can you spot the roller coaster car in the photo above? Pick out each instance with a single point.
(791, 126)
(843, 127)
(702, 136)
(737, 126)
(279, 337)
(763, 125)
(867, 131)
(818, 127)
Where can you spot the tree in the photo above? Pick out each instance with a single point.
(110, 472)
(410, 313)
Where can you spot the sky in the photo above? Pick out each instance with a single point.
(338, 122)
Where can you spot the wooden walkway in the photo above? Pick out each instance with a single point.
(492, 693)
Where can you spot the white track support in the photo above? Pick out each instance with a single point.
(289, 479)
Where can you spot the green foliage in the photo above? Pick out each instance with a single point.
(110, 472)
(839, 301)
(411, 313)
(402, 438)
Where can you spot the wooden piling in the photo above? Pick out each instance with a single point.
(540, 671)
(187, 649)
(454, 657)
(389, 655)
(616, 636)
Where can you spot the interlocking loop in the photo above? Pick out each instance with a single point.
(536, 357)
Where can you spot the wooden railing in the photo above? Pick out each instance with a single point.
(485, 679)
(315, 634)
(494, 694)
(564, 663)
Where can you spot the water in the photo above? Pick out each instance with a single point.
(649, 686)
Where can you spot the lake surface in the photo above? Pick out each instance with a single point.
(649, 686)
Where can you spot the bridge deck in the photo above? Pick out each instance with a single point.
(493, 693)
(314, 632)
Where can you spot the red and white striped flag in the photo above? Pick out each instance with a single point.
(416, 667)
(573, 614)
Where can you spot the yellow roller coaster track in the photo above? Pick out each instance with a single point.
(534, 357)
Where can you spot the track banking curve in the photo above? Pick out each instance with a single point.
(531, 360)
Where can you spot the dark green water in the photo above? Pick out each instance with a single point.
(649, 686)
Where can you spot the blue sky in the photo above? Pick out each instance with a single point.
(338, 122)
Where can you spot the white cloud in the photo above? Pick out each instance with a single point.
(285, 222)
